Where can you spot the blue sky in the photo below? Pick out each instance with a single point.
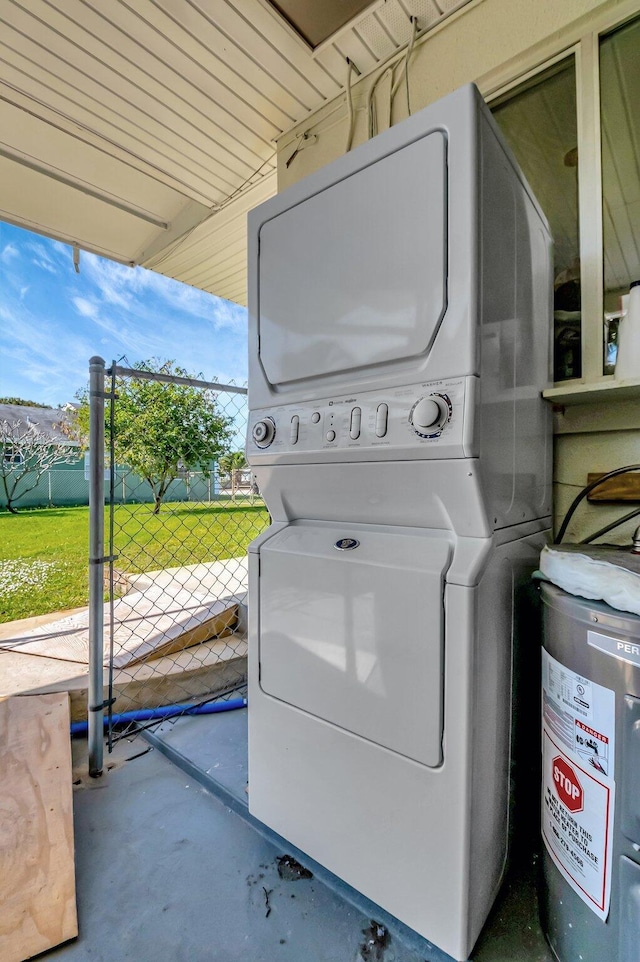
(53, 320)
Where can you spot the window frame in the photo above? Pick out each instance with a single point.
(11, 455)
(585, 49)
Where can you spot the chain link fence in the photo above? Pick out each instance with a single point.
(174, 563)
(63, 488)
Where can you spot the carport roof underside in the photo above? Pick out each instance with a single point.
(144, 130)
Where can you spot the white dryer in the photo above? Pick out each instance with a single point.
(400, 329)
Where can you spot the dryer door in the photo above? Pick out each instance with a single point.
(356, 275)
(353, 633)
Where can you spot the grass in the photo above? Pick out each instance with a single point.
(43, 553)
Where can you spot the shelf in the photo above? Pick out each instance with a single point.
(606, 390)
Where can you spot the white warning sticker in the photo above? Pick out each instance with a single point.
(577, 822)
(578, 787)
(579, 714)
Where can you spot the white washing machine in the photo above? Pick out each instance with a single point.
(400, 330)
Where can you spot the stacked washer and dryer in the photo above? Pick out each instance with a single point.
(400, 306)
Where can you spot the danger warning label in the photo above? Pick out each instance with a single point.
(592, 746)
(578, 787)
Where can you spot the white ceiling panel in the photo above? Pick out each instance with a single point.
(145, 130)
(213, 255)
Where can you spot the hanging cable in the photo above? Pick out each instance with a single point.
(372, 113)
(304, 140)
(586, 491)
(398, 80)
(412, 40)
(296, 151)
(610, 527)
(404, 73)
(351, 67)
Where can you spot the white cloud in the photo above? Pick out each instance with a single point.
(9, 251)
(175, 294)
(229, 316)
(85, 307)
(140, 343)
(41, 256)
(45, 265)
(115, 282)
(106, 309)
(54, 359)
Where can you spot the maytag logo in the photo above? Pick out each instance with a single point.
(346, 544)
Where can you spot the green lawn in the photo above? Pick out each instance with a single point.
(43, 553)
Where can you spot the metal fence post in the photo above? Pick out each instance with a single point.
(96, 566)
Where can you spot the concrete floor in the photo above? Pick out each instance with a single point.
(171, 868)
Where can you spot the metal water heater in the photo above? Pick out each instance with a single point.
(590, 899)
(400, 324)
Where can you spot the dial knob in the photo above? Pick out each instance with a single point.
(263, 432)
(427, 413)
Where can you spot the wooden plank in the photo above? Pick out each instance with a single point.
(156, 622)
(148, 624)
(214, 666)
(210, 667)
(214, 580)
(37, 876)
(626, 487)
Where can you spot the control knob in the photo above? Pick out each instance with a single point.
(264, 432)
(428, 414)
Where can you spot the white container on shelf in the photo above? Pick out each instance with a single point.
(628, 361)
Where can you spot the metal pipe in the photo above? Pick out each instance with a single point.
(18, 157)
(96, 565)
(112, 593)
(118, 371)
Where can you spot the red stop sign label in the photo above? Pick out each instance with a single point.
(567, 785)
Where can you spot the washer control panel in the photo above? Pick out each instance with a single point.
(433, 415)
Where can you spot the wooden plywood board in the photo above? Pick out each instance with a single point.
(37, 876)
(211, 667)
(210, 579)
(148, 623)
(625, 487)
(160, 624)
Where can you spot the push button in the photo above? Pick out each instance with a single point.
(331, 435)
(295, 425)
(354, 427)
(382, 416)
(315, 417)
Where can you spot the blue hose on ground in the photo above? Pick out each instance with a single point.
(168, 711)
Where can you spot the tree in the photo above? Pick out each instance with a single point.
(26, 453)
(231, 465)
(161, 430)
(20, 401)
